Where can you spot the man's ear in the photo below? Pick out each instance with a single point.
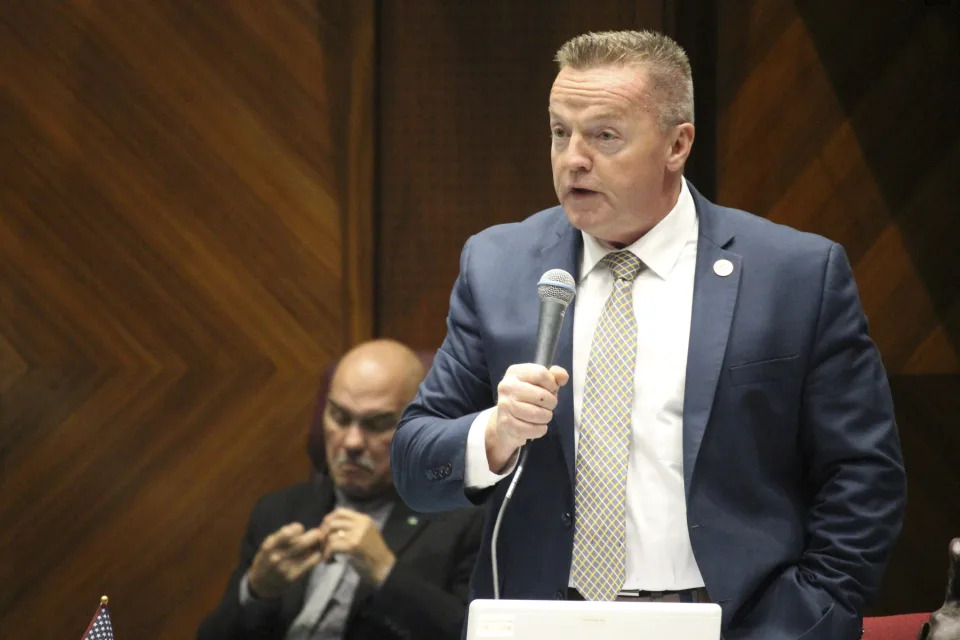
(681, 142)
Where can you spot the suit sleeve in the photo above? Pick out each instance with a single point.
(428, 454)
(230, 620)
(412, 607)
(854, 464)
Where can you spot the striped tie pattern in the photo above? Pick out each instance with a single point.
(599, 546)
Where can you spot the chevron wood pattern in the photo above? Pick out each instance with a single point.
(840, 118)
(185, 206)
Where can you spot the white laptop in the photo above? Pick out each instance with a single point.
(586, 620)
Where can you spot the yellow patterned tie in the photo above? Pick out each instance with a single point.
(599, 543)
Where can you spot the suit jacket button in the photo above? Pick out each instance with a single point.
(566, 519)
(559, 595)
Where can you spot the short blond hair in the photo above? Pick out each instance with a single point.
(664, 61)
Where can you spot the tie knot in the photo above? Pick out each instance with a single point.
(623, 265)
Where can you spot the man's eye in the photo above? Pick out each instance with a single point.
(607, 136)
(339, 416)
(558, 132)
(379, 424)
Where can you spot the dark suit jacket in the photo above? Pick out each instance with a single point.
(424, 596)
(792, 468)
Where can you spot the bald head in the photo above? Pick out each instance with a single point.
(372, 384)
(385, 367)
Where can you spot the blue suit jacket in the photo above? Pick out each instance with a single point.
(792, 468)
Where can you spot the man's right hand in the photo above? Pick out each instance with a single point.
(285, 555)
(526, 398)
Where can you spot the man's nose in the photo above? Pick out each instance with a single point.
(353, 437)
(576, 156)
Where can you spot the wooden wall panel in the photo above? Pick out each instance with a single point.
(463, 135)
(840, 118)
(184, 189)
(842, 121)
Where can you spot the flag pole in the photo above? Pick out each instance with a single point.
(104, 600)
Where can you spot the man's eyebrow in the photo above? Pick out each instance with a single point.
(605, 114)
(382, 414)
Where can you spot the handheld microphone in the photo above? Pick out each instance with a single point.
(556, 290)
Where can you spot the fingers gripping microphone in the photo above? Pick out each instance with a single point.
(556, 289)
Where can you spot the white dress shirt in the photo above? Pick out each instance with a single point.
(659, 554)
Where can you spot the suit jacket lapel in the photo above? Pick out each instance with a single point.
(714, 299)
(401, 527)
(563, 251)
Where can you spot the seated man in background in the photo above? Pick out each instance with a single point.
(343, 556)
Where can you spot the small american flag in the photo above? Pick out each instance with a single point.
(100, 627)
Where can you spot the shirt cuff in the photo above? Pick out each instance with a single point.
(477, 474)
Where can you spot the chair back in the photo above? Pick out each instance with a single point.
(899, 627)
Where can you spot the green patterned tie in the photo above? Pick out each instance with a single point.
(599, 544)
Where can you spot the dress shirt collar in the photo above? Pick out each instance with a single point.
(658, 249)
(373, 507)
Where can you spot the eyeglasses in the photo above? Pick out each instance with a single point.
(376, 423)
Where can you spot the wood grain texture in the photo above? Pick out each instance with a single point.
(840, 118)
(182, 185)
(359, 238)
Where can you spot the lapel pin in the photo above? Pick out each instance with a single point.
(723, 268)
(413, 521)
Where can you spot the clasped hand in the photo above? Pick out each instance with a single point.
(291, 551)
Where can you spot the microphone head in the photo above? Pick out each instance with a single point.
(558, 286)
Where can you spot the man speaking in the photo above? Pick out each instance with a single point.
(718, 425)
